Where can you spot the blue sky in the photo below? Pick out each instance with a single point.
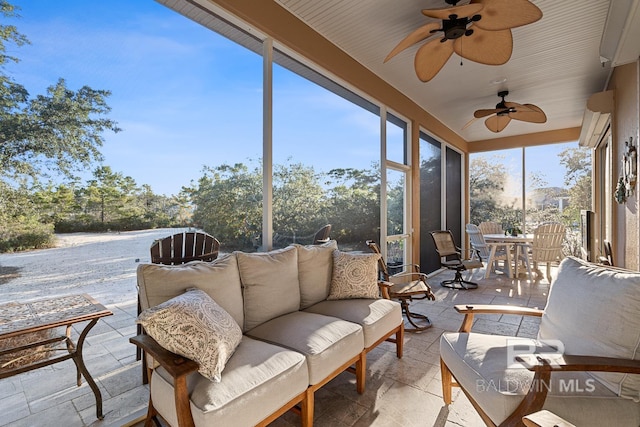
(183, 95)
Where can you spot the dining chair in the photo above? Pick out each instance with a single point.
(490, 227)
(407, 286)
(546, 247)
(451, 258)
(492, 252)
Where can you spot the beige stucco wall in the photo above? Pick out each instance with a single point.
(625, 123)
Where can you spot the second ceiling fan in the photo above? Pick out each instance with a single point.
(479, 31)
(501, 116)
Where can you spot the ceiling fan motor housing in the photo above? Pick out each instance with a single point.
(455, 27)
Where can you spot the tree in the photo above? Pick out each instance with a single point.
(110, 195)
(227, 202)
(486, 180)
(354, 205)
(299, 203)
(577, 178)
(57, 132)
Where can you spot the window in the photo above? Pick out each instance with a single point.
(326, 150)
(430, 199)
(557, 186)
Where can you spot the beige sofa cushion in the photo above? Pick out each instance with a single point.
(315, 266)
(596, 311)
(479, 362)
(219, 279)
(326, 342)
(193, 325)
(355, 275)
(258, 380)
(269, 284)
(376, 316)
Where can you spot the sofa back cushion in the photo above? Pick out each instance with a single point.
(315, 266)
(220, 279)
(595, 311)
(270, 284)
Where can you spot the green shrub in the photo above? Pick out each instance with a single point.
(24, 236)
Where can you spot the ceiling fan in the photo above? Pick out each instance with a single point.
(479, 31)
(504, 112)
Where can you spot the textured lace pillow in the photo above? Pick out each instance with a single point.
(193, 325)
(354, 276)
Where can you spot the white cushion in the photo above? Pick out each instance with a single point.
(596, 311)
(315, 266)
(258, 380)
(269, 284)
(480, 364)
(326, 342)
(219, 279)
(195, 326)
(355, 275)
(377, 317)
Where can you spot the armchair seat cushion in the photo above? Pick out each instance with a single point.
(326, 342)
(376, 316)
(255, 382)
(482, 366)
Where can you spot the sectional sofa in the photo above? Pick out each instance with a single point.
(243, 339)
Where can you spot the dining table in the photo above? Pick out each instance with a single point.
(518, 242)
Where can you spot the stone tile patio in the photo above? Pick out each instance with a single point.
(400, 392)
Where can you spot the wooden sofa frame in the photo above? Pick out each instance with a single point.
(180, 367)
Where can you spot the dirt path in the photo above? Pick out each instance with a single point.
(100, 264)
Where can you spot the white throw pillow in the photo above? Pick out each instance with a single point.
(193, 325)
(354, 275)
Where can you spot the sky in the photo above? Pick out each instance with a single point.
(184, 96)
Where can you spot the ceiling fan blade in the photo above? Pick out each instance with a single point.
(478, 114)
(529, 113)
(503, 14)
(462, 11)
(469, 123)
(485, 47)
(497, 123)
(416, 36)
(431, 57)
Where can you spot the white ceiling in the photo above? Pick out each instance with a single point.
(555, 63)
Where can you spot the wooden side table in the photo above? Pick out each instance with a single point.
(28, 330)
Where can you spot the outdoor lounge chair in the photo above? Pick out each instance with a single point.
(584, 365)
(406, 287)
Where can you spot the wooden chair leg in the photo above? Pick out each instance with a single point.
(400, 342)
(361, 372)
(446, 382)
(152, 414)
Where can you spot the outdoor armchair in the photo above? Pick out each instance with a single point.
(583, 366)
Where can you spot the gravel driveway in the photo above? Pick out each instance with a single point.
(100, 264)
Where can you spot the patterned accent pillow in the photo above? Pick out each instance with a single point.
(354, 276)
(193, 325)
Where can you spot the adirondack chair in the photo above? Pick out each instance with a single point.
(180, 248)
(183, 247)
(546, 247)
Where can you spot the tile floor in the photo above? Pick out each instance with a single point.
(400, 392)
